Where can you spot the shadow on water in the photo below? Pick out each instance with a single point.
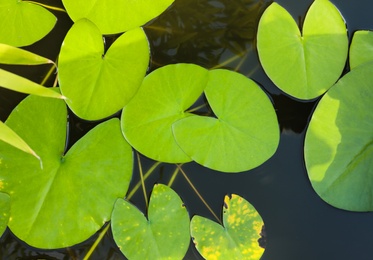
(221, 33)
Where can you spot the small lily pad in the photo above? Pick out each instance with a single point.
(245, 132)
(23, 23)
(162, 99)
(339, 142)
(73, 195)
(113, 16)
(361, 50)
(303, 65)
(4, 209)
(99, 84)
(164, 235)
(236, 239)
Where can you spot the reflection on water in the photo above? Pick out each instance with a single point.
(206, 33)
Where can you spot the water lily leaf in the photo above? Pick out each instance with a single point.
(161, 100)
(99, 84)
(113, 16)
(244, 135)
(236, 239)
(13, 55)
(17, 83)
(361, 50)
(24, 23)
(303, 65)
(74, 194)
(4, 209)
(164, 235)
(339, 142)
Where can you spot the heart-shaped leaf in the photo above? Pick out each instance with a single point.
(303, 65)
(164, 235)
(73, 195)
(113, 16)
(4, 209)
(99, 84)
(237, 239)
(361, 50)
(244, 135)
(161, 100)
(339, 142)
(24, 23)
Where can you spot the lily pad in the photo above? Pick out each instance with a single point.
(339, 142)
(4, 209)
(164, 235)
(113, 16)
(74, 194)
(161, 100)
(99, 84)
(24, 23)
(236, 239)
(361, 50)
(245, 132)
(303, 65)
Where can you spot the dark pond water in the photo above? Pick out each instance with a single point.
(212, 33)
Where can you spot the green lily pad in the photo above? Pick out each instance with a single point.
(161, 100)
(237, 239)
(99, 84)
(339, 142)
(361, 50)
(303, 65)
(164, 235)
(113, 16)
(73, 195)
(4, 209)
(24, 23)
(245, 133)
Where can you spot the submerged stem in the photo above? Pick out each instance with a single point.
(47, 6)
(95, 244)
(173, 177)
(50, 71)
(142, 180)
(198, 194)
(147, 174)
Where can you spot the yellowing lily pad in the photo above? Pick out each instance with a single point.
(163, 235)
(4, 209)
(236, 239)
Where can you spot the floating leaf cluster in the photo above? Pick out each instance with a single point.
(74, 192)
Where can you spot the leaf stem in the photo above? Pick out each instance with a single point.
(95, 244)
(133, 191)
(142, 180)
(47, 6)
(173, 177)
(50, 71)
(198, 194)
(195, 109)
